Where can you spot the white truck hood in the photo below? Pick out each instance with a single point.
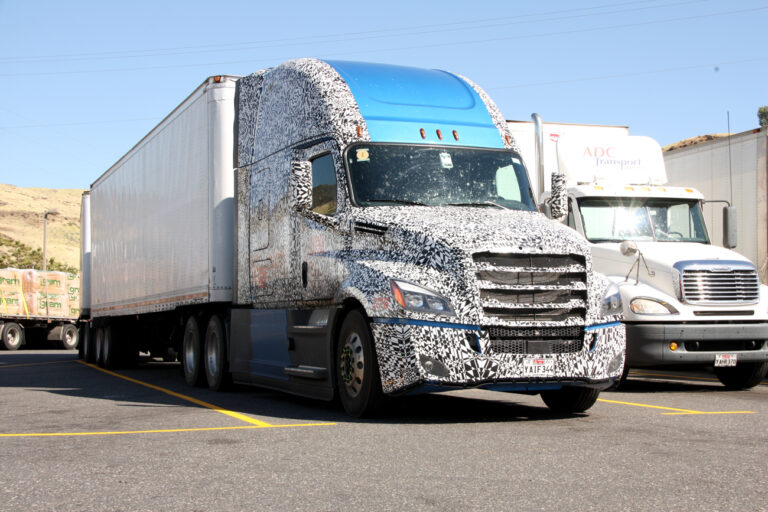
(660, 257)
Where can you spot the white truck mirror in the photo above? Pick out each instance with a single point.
(628, 248)
(558, 201)
(730, 228)
(301, 185)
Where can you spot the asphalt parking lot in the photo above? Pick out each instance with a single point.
(76, 437)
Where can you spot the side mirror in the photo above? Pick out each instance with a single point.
(628, 248)
(301, 185)
(558, 201)
(730, 227)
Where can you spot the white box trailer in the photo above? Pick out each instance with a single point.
(735, 170)
(161, 218)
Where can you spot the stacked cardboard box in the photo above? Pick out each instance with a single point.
(34, 294)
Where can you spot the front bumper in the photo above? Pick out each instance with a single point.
(412, 353)
(648, 344)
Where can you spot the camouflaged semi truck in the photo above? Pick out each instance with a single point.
(344, 229)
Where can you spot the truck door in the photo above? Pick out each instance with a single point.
(320, 272)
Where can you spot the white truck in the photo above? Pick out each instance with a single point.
(343, 228)
(686, 301)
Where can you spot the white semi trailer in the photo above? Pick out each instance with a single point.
(686, 301)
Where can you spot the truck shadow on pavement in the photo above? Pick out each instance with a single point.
(61, 373)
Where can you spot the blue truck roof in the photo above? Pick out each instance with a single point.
(398, 101)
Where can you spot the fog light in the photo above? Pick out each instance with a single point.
(433, 366)
(673, 346)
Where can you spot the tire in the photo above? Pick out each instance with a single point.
(216, 367)
(571, 399)
(88, 341)
(192, 353)
(357, 370)
(98, 345)
(69, 337)
(83, 334)
(110, 351)
(741, 376)
(13, 336)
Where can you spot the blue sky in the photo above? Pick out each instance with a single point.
(82, 81)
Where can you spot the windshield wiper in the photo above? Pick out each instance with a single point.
(398, 201)
(483, 203)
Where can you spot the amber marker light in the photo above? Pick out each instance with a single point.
(217, 79)
(689, 190)
(397, 294)
(439, 134)
(673, 346)
(423, 133)
(508, 139)
(455, 135)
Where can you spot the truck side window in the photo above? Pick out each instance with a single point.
(571, 222)
(323, 185)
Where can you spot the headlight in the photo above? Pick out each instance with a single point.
(416, 298)
(648, 306)
(611, 303)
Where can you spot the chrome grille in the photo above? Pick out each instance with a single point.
(720, 284)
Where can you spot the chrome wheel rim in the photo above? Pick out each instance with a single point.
(352, 365)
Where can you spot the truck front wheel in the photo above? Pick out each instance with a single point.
(741, 376)
(571, 399)
(192, 353)
(357, 371)
(13, 336)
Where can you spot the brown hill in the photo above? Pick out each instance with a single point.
(693, 140)
(21, 219)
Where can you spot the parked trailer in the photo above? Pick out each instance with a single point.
(686, 302)
(736, 170)
(37, 305)
(377, 237)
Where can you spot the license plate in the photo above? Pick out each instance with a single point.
(539, 367)
(725, 359)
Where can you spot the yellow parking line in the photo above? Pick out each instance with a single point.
(677, 411)
(124, 432)
(686, 411)
(705, 412)
(35, 364)
(241, 417)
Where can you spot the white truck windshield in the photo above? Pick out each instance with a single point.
(395, 174)
(642, 219)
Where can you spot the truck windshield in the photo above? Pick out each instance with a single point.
(642, 219)
(397, 174)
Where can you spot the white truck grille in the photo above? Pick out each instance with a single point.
(719, 283)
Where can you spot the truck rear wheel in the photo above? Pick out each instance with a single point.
(13, 336)
(741, 376)
(357, 371)
(192, 353)
(216, 355)
(109, 349)
(69, 337)
(571, 399)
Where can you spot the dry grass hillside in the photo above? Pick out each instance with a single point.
(21, 218)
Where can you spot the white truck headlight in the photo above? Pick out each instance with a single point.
(649, 306)
(417, 298)
(611, 302)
